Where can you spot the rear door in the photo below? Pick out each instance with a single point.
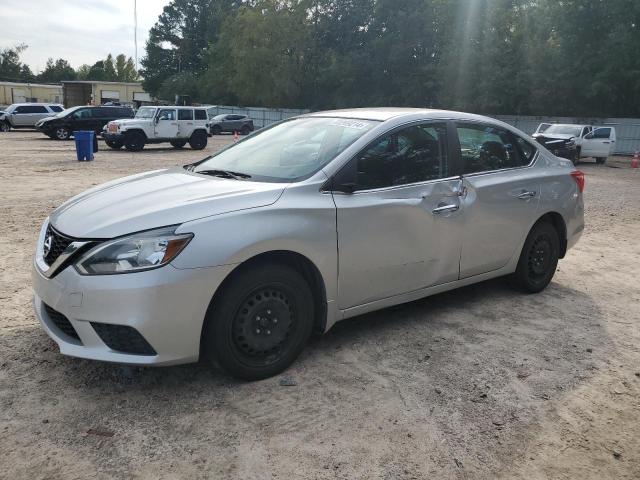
(400, 229)
(28, 115)
(598, 143)
(185, 122)
(501, 195)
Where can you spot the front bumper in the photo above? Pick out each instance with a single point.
(112, 137)
(167, 306)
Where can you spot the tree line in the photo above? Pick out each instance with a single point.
(12, 69)
(537, 57)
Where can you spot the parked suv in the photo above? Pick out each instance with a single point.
(176, 125)
(577, 141)
(26, 115)
(62, 126)
(231, 123)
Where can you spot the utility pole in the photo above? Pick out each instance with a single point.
(135, 30)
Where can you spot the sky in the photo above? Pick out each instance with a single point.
(80, 31)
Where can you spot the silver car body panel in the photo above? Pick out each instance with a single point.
(372, 249)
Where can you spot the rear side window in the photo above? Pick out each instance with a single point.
(101, 112)
(484, 148)
(55, 108)
(602, 133)
(411, 155)
(31, 109)
(201, 114)
(185, 114)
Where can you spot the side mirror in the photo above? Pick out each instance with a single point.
(347, 188)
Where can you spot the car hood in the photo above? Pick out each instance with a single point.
(132, 121)
(45, 119)
(156, 199)
(553, 136)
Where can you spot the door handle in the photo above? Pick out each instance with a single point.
(445, 208)
(527, 195)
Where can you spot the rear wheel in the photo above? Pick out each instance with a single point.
(198, 140)
(178, 143)
(539, 259)
(260, 322)
(134, 141)
(245, 130)
(62, 133)
(115, 144)
(5, 127)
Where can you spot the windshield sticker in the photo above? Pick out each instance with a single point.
(349, 124)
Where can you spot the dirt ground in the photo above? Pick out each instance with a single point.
(477, 383)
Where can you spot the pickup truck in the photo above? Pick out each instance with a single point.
(575, 142)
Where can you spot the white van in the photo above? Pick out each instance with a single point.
(595, 142)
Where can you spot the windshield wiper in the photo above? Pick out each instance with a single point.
(224, 174)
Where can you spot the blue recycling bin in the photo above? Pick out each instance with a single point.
(84, 145)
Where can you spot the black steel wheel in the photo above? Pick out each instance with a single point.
(198, 140)
(5, 126)
(260, 322)
(134, 141)
(539, 258)
(115, 144)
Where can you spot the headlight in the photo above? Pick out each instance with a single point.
(571, 142)
(135, 253)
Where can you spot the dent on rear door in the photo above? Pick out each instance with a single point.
(499, 209)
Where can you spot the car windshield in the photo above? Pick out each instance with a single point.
(67, 111)
(289, 151)
(565, 130)
(146, 112)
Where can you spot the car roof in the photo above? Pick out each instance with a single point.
(23, 104)
(384, 114)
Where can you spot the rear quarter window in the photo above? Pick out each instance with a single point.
(55, 108)
(201, 114)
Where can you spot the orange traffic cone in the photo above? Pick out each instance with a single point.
(236, 137)
(635, 160)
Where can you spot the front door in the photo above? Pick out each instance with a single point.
(501, 196)
(166, 123)
(598, 143)
(400, 229)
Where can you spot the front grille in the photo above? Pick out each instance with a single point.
(62, 322)
(122, 338)
(59, 244)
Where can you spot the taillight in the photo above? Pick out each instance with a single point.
(578, 176)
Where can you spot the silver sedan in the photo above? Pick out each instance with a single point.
(243, 255)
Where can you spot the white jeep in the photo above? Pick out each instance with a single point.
(176, 125)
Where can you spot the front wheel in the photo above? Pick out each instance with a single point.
(539, 259)
(198, 140)
(5, 127)
(134, 141)
(601, 160)
(260, 322)
(115, 144)
(576, 158)
(216, 130)
(62, 133)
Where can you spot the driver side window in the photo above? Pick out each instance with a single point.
(411, 155)
(166, 114)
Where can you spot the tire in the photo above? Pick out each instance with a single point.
(134, 141)
(5, 126)
(62, 133)
(260, 322)
(178, 143)
(245, 130)
(198, 140)
(115, 144)
(576, 158)
(539, 259)
(216, 130)
(601, 160)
